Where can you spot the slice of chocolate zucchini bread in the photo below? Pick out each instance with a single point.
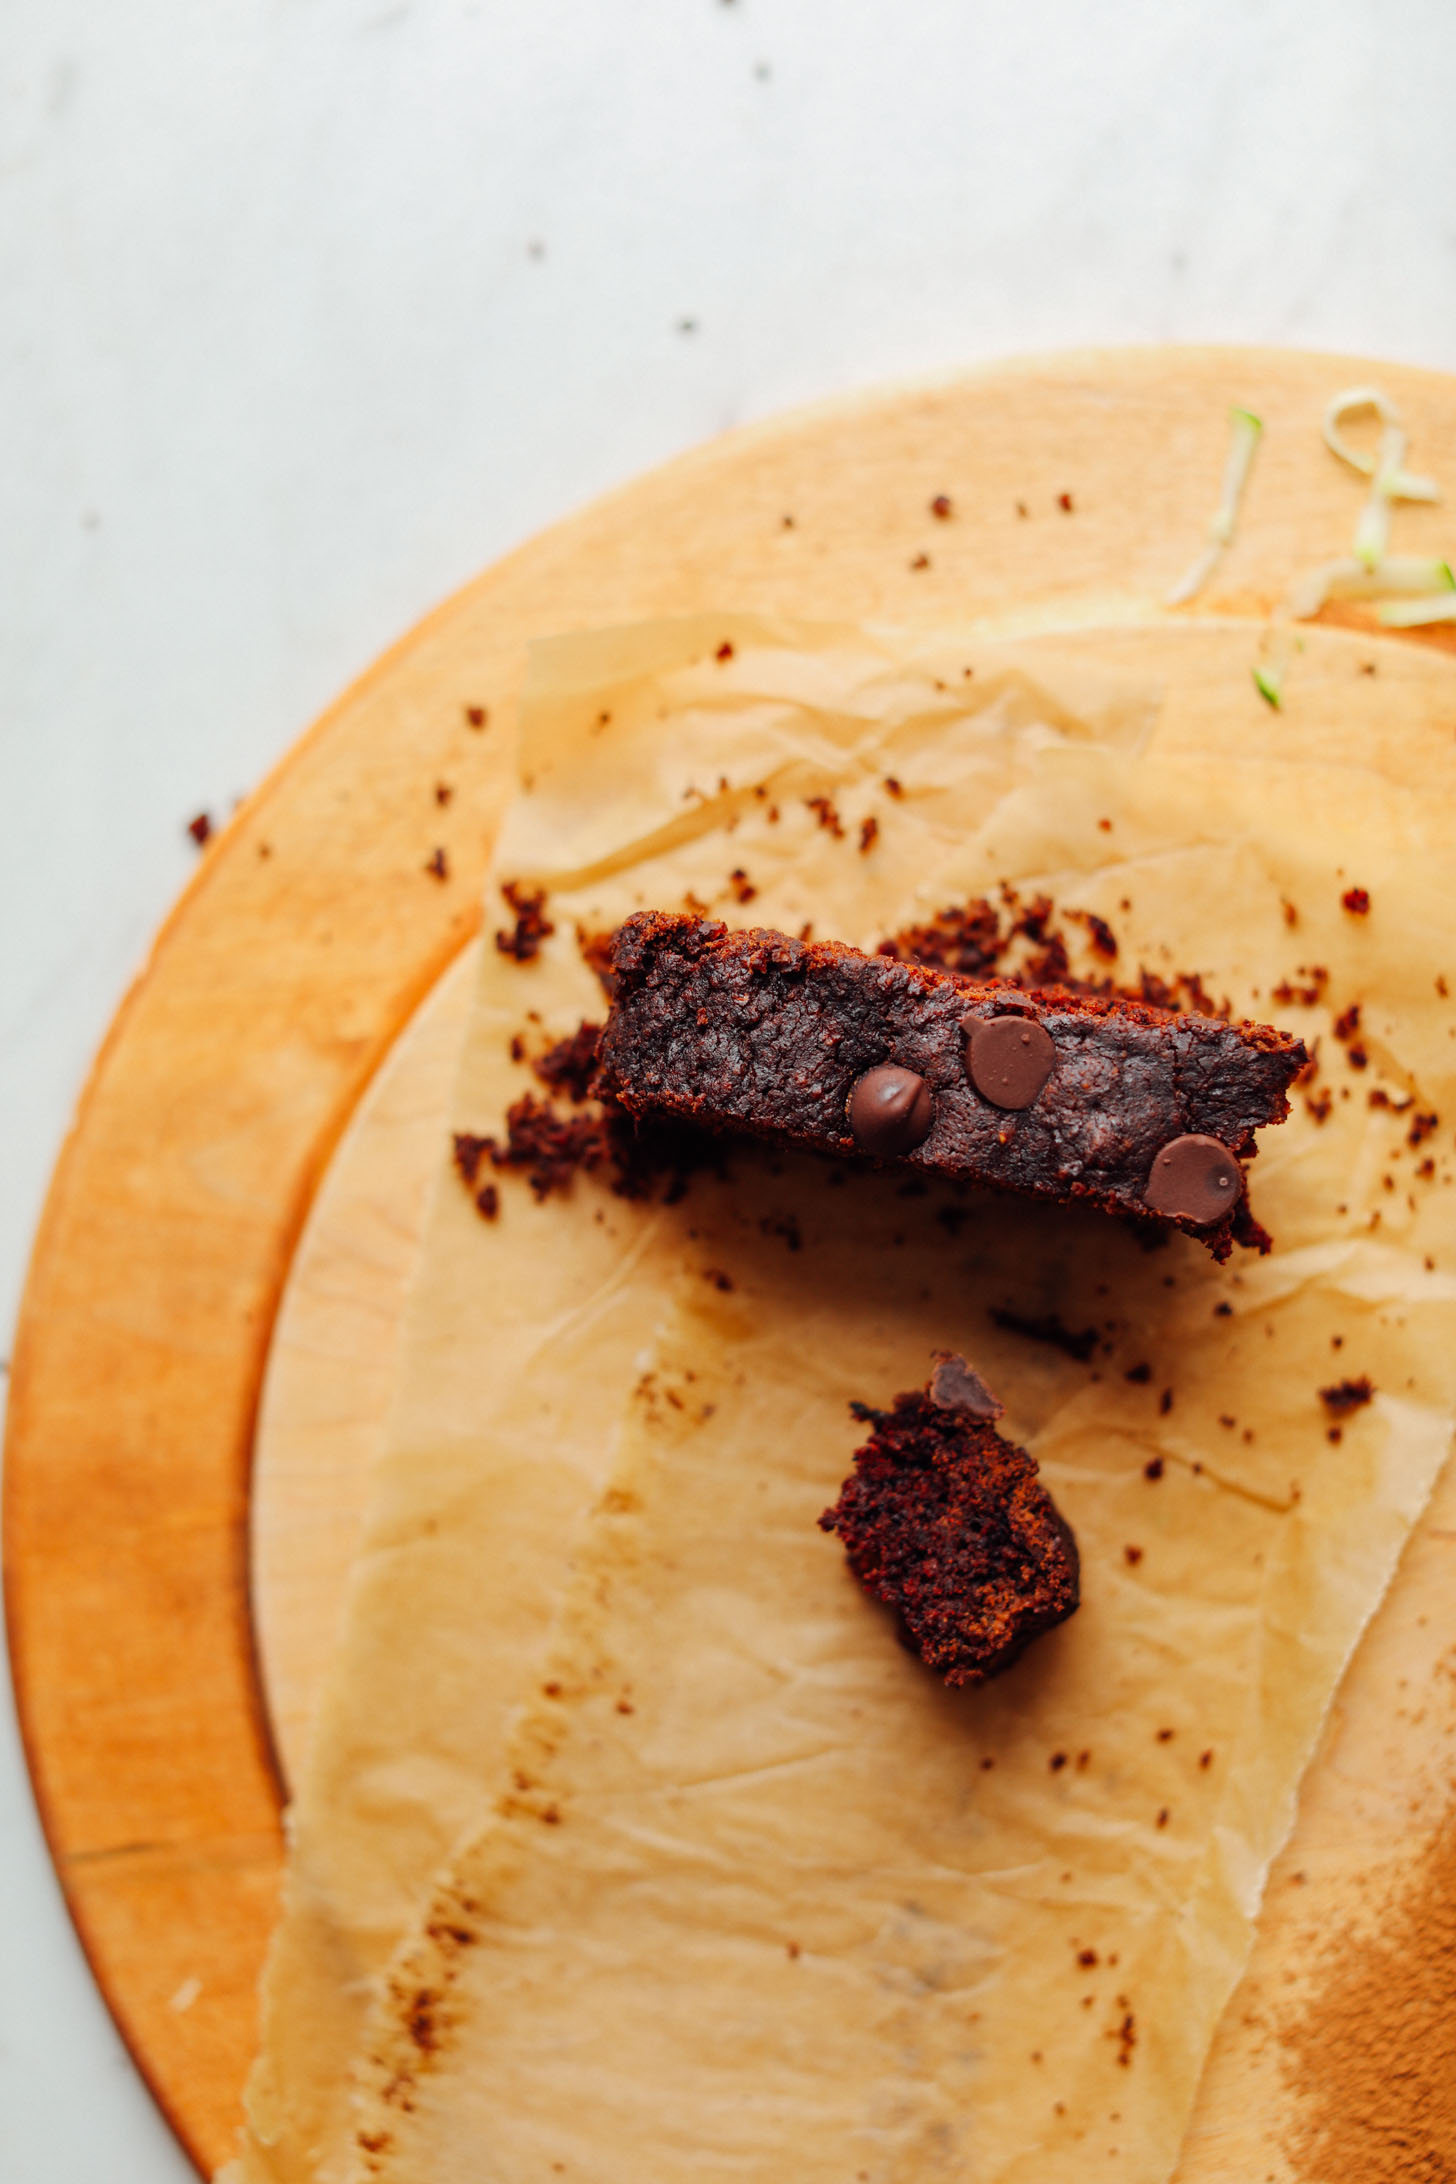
(1071, 1097)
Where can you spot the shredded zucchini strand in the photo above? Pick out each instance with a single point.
(1245, 430)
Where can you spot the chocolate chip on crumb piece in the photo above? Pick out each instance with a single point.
(957, 1386)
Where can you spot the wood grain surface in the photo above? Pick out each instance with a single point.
(309, 936)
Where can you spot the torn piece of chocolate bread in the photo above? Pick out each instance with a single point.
(1134, 1109)
(946, 1524)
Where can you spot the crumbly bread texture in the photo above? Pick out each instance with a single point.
(756, 1031)
(949, 1526)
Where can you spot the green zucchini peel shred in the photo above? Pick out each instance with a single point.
(1245, 432)
(1418, 613)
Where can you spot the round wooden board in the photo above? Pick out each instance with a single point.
(312, 931)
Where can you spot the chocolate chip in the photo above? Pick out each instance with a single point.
(890, 1111)
(1008, 1058)
(957, 1386)
(1194, 1179)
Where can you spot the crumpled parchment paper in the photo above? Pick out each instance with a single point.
(782, 1914)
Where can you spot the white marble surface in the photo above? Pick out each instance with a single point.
(310, 307)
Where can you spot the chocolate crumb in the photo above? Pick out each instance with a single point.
(200, 828)
(1064, 502)
(523, 943)
(1132, 1556)
(1057, 1762)
(487, 1201)
(548, 1148)
(570, 1064)
(921, 561)
(724, 651)
(1165, 1402)
(1139, 1375)
(476, 716)
(1154, 1468)
(1346, 1396)
(1306, 995)
(1357, 901)
(437, 864)
(420, 2020)
(941, 507)
(443, 792)
(743, 888)
(469, 1151)
(718, 1278)
(595, 950)
(1100, 933)
(826, 814)
(868, 833)
(984, 939)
